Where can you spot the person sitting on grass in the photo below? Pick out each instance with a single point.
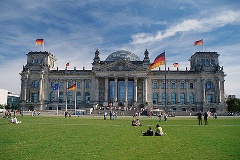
(136, 122)
(148, 133)
(15, 121)
(159, 131)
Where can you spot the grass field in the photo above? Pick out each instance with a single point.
(89, 137)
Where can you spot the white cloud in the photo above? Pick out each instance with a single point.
(196, 25)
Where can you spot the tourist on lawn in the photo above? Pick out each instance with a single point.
(159, 131)
(104, 115)
(165, 117)
(199, 116)
(149, 132)
(15, 121)
(205, 116)
(136, 122)
(160, 117)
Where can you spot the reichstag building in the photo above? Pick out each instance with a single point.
(123, 80)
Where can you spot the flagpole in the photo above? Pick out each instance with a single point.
(202, 45)
(58, 98)
(165, 83)
(43, 47)
(66, 94)
(75, 104)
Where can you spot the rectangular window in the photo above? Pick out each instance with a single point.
(173, 85)
(182, 85)
(69, 98)
(51, 96)
(191, 85)
(78, 84)
(155, 85)
(163, 85)
(60, 97)
(61, 85)
(34, 97)
(209, 98)
(69, 84)
(35, 84)
(87, 84)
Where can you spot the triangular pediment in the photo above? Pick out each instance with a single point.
(121, 65)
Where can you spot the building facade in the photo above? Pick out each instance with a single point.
(9, 99)
(123, 80)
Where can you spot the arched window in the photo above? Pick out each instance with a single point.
(209, 85)
(173, 98)
(182, 98)
(78, 97)
(87, 97)
(191, 98)
(163, 98)
(155, 98)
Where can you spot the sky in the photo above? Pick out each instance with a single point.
(74, 29)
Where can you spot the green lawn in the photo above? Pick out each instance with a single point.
(89, 137)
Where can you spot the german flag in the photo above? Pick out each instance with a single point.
(73, 87)
(67, 64)
(199, 42)
(39, 41)
(175, 64)
(159, 60)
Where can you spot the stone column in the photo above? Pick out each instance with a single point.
(135, 89)
(204, 93)
(159, 92)
(221, 91)
(83, 91)
(126, 89)
(106, 89)
(145, 89)
(126, 92)
(178, 92)
(97, 89)
(187, 86)
(40, 96)
(115, 89)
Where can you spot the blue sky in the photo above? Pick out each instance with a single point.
(73, 30)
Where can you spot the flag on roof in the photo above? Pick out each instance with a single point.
(159, 60)
(39, 41)
(175, 64)
(73, 87)
(199, 42)
(67, 64)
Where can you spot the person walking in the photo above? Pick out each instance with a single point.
(199, 115)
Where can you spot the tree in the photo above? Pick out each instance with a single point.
(233, 105)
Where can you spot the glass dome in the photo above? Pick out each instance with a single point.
(126, 55)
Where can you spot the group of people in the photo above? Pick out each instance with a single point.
(150, 132)
(205, 117)
(164, 115)
(112, 115)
